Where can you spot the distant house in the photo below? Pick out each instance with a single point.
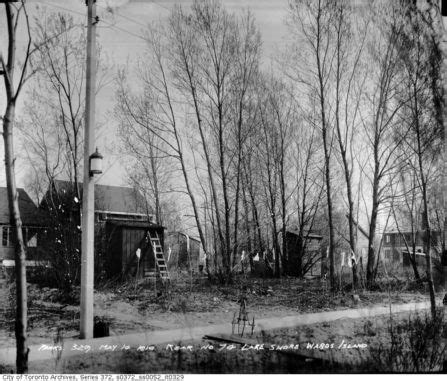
(396, 251)
(31, 222)
(122, 223)
(182, 251)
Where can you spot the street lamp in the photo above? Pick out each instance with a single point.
(92, 165)
(95, 163)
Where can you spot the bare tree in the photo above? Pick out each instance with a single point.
(13, 86)
(251, 183)
(349, 80)
(309, 191)
(150, 167)
(277, 116)
(52, 126)
(186, 57)
(51, 131)
(382, 102)
(224, 45)
(313, 25)
(205, 63)
(154, 119)
(269, 155)
(424, 136)
(244, 109)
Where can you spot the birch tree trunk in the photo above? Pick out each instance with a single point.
(8, 69)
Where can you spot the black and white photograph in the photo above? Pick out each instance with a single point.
(222, 187)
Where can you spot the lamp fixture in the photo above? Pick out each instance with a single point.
(95, 163)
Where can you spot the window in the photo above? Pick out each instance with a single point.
(7, 236)
(387, 238)
(387, 253)
(29, 236)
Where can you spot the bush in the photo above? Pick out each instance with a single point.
(416, 345)
(42, 276)
(60, 242)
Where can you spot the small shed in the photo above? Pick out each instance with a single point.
(182, 252)
(125, 238)
(298, 262)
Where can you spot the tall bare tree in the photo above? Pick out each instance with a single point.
(349, 80)
(225, 44)
(308, 194)
(200, 91)
(313, 25)
(277, 116)
(150, 168)
(12, 86)
(382, 103)
(154, 115)
(424, 137)
(51, 131)
(246, 72)
(52, 126)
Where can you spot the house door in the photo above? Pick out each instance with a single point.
(133, 239)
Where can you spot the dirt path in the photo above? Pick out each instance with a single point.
(191, 333)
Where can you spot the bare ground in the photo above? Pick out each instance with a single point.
(187, 303)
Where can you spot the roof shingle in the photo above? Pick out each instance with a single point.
(113, 199)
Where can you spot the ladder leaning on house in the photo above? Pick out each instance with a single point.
(160, 261)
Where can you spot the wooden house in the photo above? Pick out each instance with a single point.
(31, 223)
(395, 250)
(124, 225)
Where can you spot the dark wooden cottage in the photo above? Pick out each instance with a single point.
(124, 224)
(301, 262)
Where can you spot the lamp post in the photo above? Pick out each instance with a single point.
(92, 166)
(88, 245)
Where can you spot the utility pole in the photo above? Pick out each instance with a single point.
(88, 197)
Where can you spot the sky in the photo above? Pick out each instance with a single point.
(121, 23)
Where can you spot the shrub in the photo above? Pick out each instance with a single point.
(416, 345)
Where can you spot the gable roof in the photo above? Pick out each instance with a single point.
(174, 233)
(112, 199)
(307, 234)
(28, 210)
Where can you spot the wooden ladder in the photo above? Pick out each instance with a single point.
(159, 256)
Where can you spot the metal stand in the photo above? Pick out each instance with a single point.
(243, 320)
